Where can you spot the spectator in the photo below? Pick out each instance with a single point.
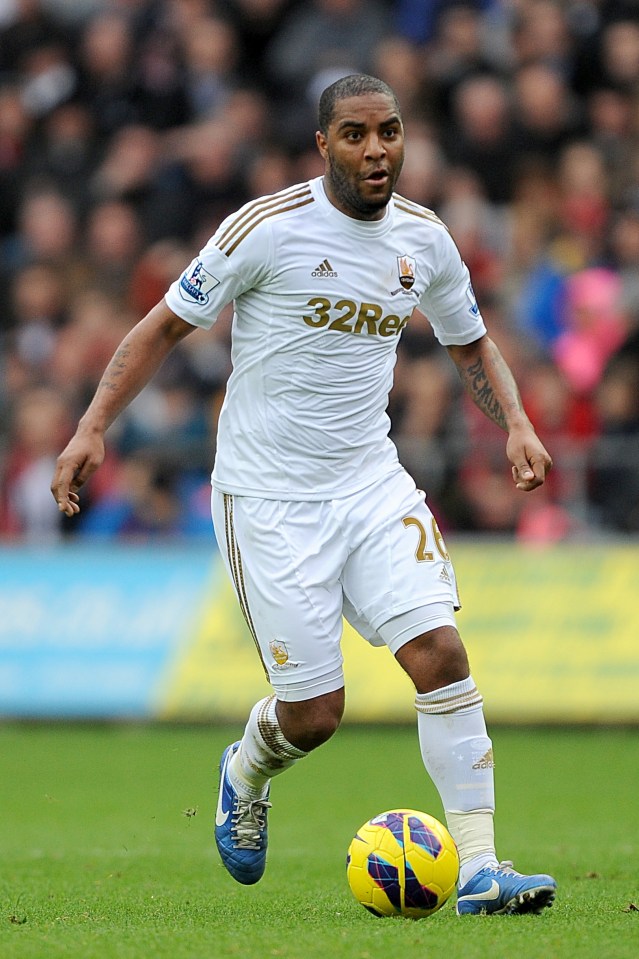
(541, 35)
(547, 115)
(38, 308)
(458, 53)
(106, 58)
(41, 422)
(87, 340)
(481, 137)
(257, 24)
(65, 153)
(610, 114)
(594, 328)
(128, 167)
(28, 27)
(211, 58)
(619, 52)
(584, 203)
(614, 476)
(404, 67)
(624, 253)
(114, 239)
(49, 79)
(320, 40)
(47, 232)
(15, 129)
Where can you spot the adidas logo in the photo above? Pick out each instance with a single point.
(486, 761)
(444, 575)
(324, 269)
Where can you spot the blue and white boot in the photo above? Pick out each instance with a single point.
(500, 889)
(240, 828)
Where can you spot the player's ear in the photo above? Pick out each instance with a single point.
(322, 145)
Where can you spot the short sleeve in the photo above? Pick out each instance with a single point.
(449, 300)
(212, 279)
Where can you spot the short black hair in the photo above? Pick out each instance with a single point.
(354, 85)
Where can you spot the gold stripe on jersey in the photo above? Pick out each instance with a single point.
(237, 573)
(260, 203)
(407, 206)
(259, 211)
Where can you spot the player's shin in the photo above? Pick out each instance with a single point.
(263, 753)
(458, 756)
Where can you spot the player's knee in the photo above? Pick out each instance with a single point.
(310, 723)
(435, 659)
(320, 727)
(449, 652)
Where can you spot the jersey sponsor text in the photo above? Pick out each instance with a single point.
(346, 316)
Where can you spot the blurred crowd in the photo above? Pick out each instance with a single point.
(130, 128)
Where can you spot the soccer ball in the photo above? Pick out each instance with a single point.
(402, 863)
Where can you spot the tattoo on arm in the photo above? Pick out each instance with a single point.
(478, 383)
(116, 368)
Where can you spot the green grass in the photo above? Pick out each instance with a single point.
(106, 847)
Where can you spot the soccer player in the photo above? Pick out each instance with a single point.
(315, 517)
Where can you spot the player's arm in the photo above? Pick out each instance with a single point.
(489, 381)
(138, 357)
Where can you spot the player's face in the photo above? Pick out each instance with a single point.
(364, 152)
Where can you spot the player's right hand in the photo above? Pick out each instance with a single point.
(75, 464)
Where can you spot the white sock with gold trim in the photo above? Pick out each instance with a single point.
(263, 752)
(458, 756)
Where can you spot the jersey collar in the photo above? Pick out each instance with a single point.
(347, 224)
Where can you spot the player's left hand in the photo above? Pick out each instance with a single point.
(530, 460)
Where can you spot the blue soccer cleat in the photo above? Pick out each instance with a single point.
(240, 828)
(501, 889)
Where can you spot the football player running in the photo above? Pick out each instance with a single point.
(314, 515)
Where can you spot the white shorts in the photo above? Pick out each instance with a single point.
(375, 557)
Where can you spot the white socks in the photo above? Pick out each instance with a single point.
(458, 756)
(455, 747)
(263, 752)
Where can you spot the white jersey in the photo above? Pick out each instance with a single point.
(320, 302)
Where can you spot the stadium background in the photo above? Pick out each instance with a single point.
(128, 129)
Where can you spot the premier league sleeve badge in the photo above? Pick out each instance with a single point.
(196, 284)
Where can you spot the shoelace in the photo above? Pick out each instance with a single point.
(249, 819)
(504, 866)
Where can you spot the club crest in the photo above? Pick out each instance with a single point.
(406, 271)
(279, 651)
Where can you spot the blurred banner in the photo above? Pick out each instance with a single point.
(155, 632)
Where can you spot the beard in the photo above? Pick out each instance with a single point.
(345, 187)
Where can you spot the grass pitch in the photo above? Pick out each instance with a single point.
(107, 850)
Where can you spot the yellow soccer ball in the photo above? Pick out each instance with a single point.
(402, 863)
